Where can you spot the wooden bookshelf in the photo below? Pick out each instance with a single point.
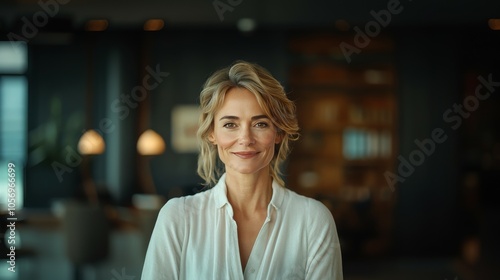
(347, 114)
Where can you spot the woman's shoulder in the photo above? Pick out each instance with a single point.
(306, 205)
(180, 206)
(296, 198)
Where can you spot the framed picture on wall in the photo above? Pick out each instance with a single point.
(184, 128)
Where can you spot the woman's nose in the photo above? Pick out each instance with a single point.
(246, 137)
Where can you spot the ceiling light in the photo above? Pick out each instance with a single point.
(154, 25)
(96, 25)
(494, 23)
(246, 25)
(342, 25)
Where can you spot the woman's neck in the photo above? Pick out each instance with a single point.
(249, 193)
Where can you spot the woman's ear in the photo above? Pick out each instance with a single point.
(279, 137)
(211, 138)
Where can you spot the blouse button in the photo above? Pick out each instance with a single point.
(252, 270)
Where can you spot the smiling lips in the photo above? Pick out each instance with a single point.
(245, 155)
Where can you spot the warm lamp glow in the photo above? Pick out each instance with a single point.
(91, 143)
(494, 23)
(342, 25)
(96, 25)
(150, 143)
(154, 25)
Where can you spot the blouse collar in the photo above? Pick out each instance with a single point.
(220, 193)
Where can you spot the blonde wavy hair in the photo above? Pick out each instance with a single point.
(270, 96)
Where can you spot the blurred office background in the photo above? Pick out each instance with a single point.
(397, 101)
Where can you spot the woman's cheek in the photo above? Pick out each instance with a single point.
(225, 141)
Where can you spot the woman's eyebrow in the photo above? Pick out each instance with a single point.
(259, 117)
(237, 118)
(229, 118)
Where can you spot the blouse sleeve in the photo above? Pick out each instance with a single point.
(165, 246)
(324, 260)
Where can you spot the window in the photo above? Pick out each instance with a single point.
(13, 118)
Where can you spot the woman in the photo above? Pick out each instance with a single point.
(248, 226)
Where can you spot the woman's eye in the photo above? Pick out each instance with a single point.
(261, 125)
(229, 125)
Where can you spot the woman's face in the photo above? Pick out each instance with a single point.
(244, 135)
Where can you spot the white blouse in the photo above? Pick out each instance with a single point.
(195, 237)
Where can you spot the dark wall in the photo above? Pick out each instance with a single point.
(56, 97)
(434, 73)
(429, 73)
